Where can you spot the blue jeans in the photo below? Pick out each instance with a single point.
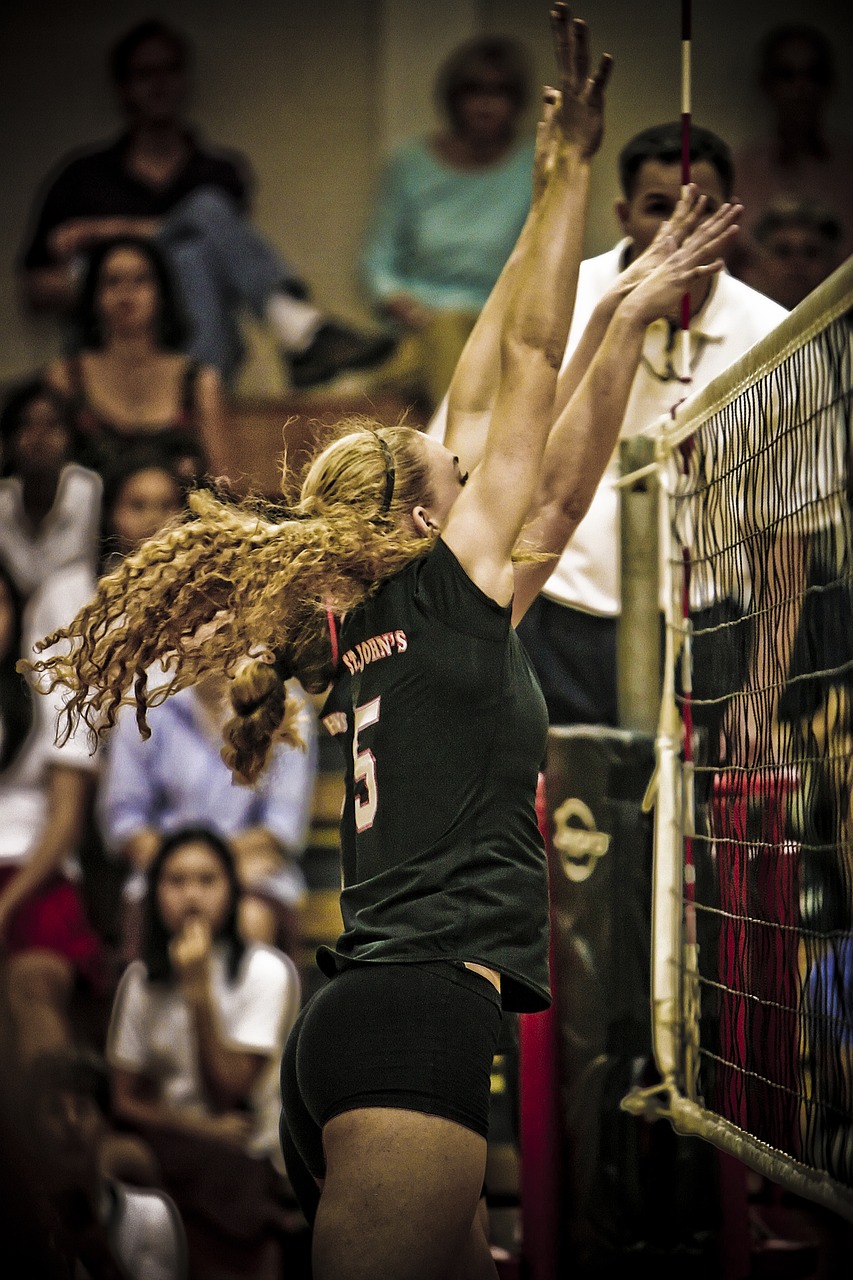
(221, 265)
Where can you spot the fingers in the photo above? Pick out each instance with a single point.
(580, 32)
(571, 45)
(600, 79)
(561, 33)
(688, 213)
(714, 232)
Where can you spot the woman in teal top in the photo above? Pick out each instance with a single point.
(449, 211)
(394, 584)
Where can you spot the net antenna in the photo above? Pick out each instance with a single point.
(686, 113)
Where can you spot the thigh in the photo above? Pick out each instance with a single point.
(400, 1197)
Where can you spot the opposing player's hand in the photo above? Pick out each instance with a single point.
(579, 117)
(684, 259)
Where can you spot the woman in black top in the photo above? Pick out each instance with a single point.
(132, 382)
(394, 583)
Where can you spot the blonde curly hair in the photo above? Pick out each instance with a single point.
(245, 588)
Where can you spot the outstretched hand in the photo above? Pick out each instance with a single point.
(578, 117)
(686, 217)
(685, 250)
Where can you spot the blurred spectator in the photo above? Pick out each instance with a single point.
(131, 382)
(114, 1231)
(141, 493)
(449, 211)
(157, 180)
(796, 246)
(195, 1046)
(798, 157)
(177, 778)
(46, 941)
(49, 506)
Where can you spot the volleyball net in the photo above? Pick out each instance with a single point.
(752, 947)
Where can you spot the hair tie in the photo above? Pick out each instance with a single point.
(249, 708)
(390, 474)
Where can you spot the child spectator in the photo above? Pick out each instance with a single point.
(49, 506)
(195, 1045)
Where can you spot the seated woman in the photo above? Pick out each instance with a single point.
(449, 212)
(49, 506)
(46, 941)
(141, 492)
(195, 1046)
(132, 381)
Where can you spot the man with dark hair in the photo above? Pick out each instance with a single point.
(158, 180)
(661, 144)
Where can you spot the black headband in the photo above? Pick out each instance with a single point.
(390, 475)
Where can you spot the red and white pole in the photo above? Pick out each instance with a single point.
(686, 109)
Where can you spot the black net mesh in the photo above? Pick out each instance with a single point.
(760, 513)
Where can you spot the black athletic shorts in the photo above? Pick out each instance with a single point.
(420, 1037)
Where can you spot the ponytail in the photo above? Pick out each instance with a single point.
(265, 712)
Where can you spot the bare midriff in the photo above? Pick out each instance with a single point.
(491, 975)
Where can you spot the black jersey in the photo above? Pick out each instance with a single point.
(444, 729)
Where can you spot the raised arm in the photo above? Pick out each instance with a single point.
(585, 433)
(485, 522)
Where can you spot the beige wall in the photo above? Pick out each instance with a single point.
(315, 93)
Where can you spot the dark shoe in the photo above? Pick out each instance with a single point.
(335, 349)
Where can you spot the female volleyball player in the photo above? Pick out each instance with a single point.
(391, 580)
